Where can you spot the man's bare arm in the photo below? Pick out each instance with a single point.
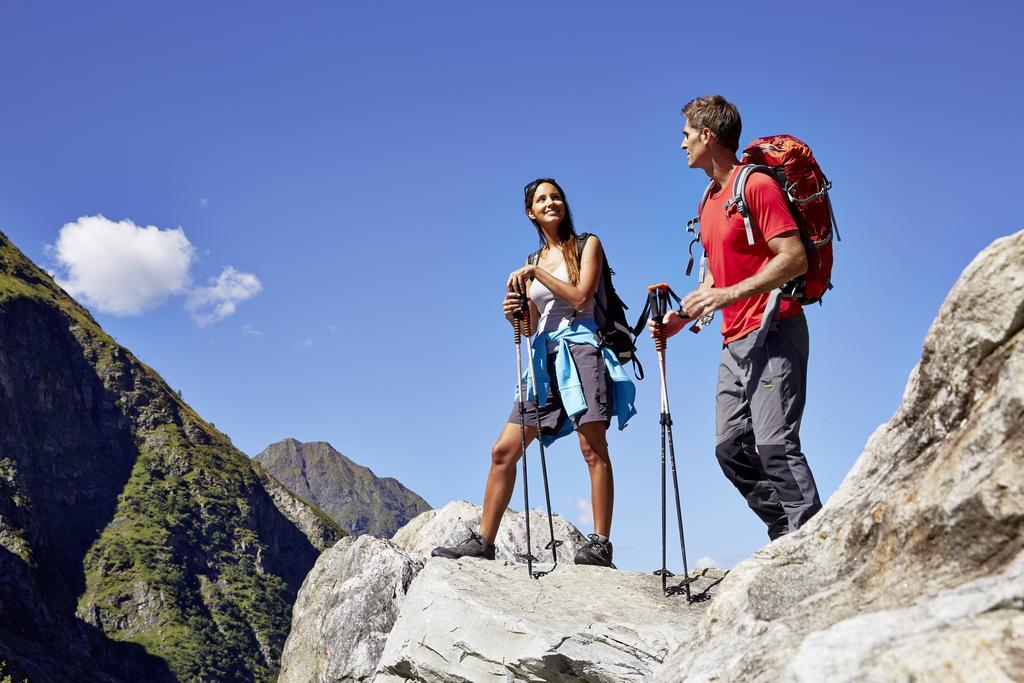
(789, 261)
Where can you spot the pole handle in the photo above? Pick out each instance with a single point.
(657, 297)
(522, 315)
(659, 300)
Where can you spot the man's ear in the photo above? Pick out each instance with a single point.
(706, 135)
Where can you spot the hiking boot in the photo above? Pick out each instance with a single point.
(474, 546)
(597, 552)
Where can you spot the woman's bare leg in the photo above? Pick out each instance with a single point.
(501, 480)
(594, 447)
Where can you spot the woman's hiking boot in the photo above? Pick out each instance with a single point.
(598, 552)
(474, 546)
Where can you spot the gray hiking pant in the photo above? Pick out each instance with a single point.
(760, 402)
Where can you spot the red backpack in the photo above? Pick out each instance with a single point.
(790, 162)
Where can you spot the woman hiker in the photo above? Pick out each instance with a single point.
(561, 290)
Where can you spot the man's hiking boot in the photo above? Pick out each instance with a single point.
(597, 552)
(474, 546)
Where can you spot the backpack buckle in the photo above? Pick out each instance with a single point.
(736, 204)
(794, 289)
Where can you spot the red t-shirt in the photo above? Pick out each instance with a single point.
(732, 260)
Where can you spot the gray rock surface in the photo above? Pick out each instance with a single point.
(477, 612)
(453, 523)
(479, 621)
(351, 598)
(345, 610)
(913, 570)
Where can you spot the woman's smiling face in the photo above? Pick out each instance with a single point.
(548, 207)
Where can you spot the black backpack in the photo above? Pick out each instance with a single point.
(613, 331)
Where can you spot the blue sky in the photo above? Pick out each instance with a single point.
(362, 165)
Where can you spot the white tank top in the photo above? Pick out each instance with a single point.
(554, 313)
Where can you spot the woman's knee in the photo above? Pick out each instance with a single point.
(596, 460)
(594, 452)
(505, 453)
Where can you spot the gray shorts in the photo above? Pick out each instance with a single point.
(596, 388)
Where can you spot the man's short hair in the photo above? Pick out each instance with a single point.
(717, 114)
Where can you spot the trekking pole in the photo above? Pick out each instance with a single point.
(659, 299)
(518, 326)
(553, 544)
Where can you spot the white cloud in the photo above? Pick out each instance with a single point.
(119, 267)
(707, 562)
(585, 512)
(306, 344)
(219, 299)
(203, 202)
(125, 269)
(250, 330)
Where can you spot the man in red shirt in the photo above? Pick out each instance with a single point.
(763, 370)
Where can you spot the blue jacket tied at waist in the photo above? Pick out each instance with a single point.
(573, 399)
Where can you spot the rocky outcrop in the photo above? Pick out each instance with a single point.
(136, 543)
(453, 523)
(473, 621)
(476, 620)
(344, 613)
(351, 599)
(914, 570)
(354, 497)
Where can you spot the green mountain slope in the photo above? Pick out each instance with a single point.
(136, 543)
(351, 494)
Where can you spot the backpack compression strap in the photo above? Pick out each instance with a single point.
(738, 201)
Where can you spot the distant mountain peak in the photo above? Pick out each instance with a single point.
(356, 498)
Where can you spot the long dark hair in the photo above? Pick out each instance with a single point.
(567, 241)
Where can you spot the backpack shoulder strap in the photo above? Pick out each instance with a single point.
(704, 199)
(739, 186)
(581, 241)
